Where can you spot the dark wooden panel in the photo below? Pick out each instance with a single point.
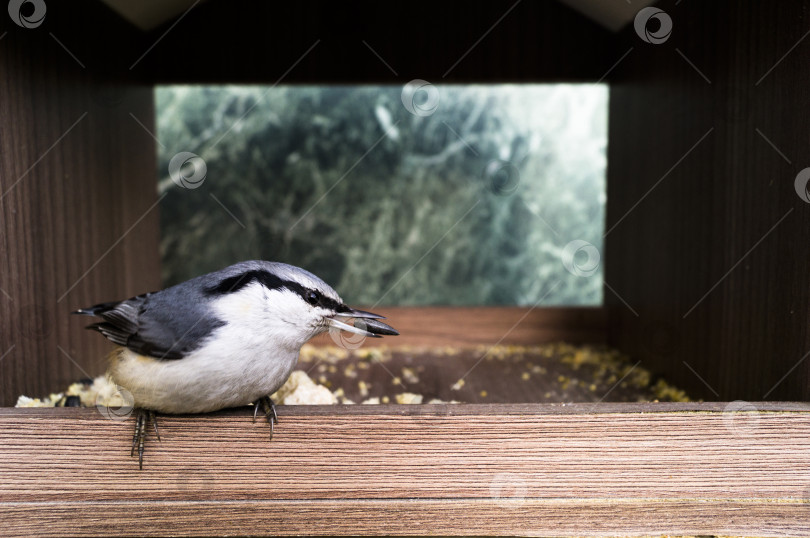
(77, 180)
(720, 293)
(452, 41)
(466, 469)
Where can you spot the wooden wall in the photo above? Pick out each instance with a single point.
(707, 238)
(77, 183)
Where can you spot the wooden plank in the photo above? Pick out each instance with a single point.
(467, 327)
(529, 517)
(464, 469)
(693, 244)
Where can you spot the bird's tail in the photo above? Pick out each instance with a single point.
(97, 310)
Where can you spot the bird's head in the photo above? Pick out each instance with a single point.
(291, 302)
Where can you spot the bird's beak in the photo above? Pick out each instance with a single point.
(365, 323)
(359, 314)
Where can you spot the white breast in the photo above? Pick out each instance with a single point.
(248, 358)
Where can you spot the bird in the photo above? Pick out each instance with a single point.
(224, 339)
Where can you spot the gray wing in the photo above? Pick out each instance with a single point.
(168, 324)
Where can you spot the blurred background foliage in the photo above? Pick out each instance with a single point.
(470, 205)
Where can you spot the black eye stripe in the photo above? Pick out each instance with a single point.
(272, 282)
(304, 292)
(237, 282)
(325, 302)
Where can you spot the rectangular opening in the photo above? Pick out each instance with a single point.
(462, 195)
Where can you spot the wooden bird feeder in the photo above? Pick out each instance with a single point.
(705, 266)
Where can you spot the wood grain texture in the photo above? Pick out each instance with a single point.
(77, 181)
(443, 469)
(466, 327)
(722, 296)
(530, 517)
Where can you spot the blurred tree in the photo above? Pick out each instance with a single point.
(470, 205)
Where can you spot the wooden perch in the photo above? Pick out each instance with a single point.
(507, 469)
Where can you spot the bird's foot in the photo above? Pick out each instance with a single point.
(269, 409)
(142, 418)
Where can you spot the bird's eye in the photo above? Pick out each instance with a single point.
(313, 298)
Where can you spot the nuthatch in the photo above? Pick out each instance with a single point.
(220, 340)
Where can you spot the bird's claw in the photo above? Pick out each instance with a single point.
(269, 409)
(142, 418)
